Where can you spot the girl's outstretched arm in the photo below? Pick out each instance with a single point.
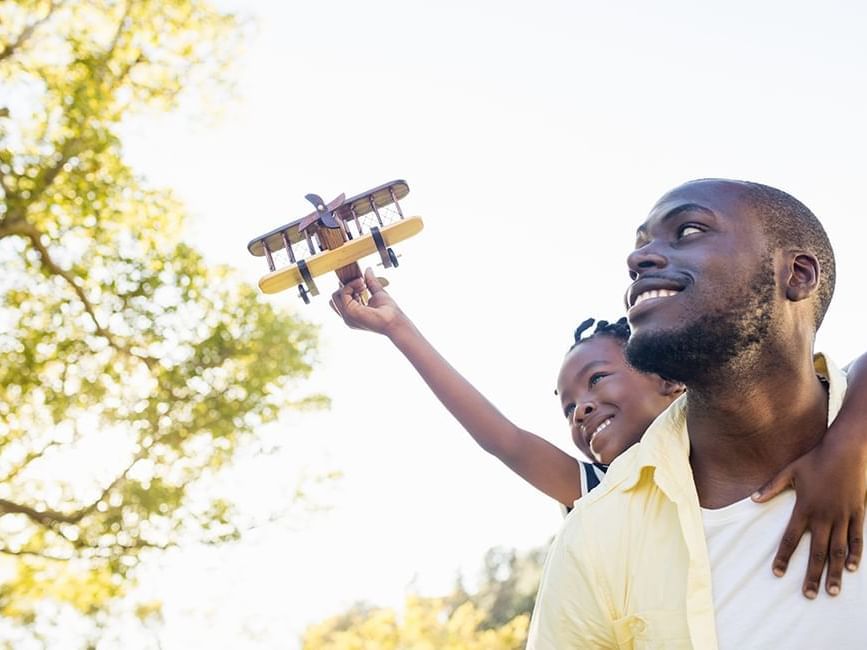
(542, 464)
(830, 482)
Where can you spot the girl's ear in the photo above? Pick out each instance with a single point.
(670, 388)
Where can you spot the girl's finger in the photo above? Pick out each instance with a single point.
(837, 551)
(792, 535)
(772, 488)
(856, 541)
(819, 541)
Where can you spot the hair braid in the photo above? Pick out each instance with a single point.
(618, 330)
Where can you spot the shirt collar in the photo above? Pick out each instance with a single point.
(664, 448)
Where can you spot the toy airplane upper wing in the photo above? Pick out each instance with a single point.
(334, 237)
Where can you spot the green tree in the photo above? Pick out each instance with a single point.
(424, 624)
(508, 584)
(495, 617)
(115, 336)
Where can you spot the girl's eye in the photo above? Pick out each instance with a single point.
(569, 411)
(595, 377)
(688, 229)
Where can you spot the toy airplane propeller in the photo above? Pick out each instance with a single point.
(324, 241)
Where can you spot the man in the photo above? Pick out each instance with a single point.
(730, 282)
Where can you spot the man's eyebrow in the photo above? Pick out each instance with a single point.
(671, 214)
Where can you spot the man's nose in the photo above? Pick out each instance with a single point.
(645, 258)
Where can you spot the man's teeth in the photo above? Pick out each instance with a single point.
(655, 293)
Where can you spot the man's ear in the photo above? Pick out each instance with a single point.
(670, 388)
(803, 277)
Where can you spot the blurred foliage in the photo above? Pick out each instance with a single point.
(507, 585)
(130, 367)
(425, 624)
(495, 617)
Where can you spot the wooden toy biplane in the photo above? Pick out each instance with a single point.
(334, 237)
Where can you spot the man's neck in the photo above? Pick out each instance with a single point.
(744, 426)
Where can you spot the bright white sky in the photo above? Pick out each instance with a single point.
(534, 138)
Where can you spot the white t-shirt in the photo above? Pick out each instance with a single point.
(756, 610)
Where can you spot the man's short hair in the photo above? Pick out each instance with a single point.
(788, 223)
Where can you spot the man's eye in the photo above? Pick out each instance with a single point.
(688, 229)
(569, 411)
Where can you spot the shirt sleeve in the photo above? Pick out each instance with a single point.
(569, 612)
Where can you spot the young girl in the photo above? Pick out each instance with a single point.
(608, 406)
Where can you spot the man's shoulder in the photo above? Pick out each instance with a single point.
(622, 470)
(605, 501)
(635, 483)
(628, 469)
(608, 530)
(629, 491)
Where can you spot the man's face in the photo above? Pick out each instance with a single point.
(703, 282)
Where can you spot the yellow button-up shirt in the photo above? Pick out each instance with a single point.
(629, 568)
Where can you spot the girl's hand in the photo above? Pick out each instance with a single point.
(381, 313)
(830, 484)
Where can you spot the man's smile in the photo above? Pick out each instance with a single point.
(650, 287)
(654, 293)
(651, 290)
(648, 299)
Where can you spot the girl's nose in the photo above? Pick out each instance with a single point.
(583, 410)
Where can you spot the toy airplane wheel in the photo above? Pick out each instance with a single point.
(305, 295)
(392, 256)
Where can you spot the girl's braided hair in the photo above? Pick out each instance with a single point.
(618, 330)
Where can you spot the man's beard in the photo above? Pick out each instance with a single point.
(721, 338)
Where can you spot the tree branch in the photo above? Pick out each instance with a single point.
(11, 223)
(79, 515)
(39, 554)
(50, 518)
(117, 548)
(119, 31)
(70, 149)
(35, 237)
(46, 518)
(31, 456)
(9, 49)
(52, 268)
